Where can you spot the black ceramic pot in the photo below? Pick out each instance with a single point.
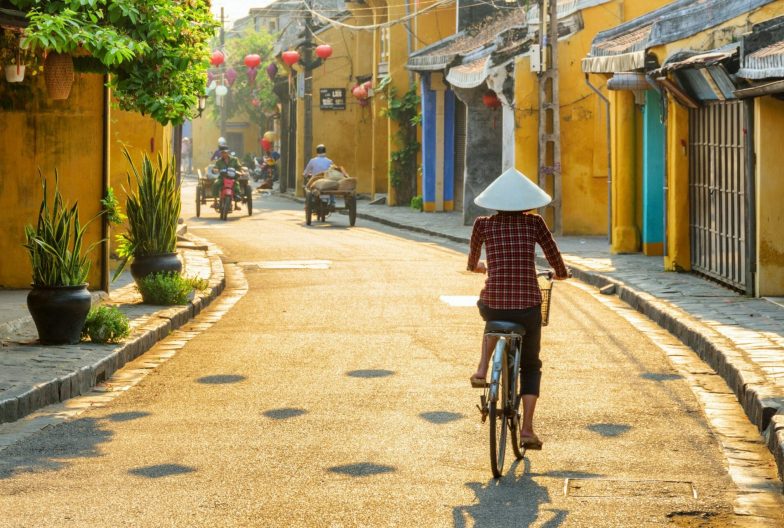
(145, 265)
(59, 313)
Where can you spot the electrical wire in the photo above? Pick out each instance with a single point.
(371, 27)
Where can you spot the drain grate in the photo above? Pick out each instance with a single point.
(459, 301)
(597, 487)
(286, 264)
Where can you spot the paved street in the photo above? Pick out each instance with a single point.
(329, 387)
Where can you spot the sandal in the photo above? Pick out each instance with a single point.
(478, 383)
(531, 442)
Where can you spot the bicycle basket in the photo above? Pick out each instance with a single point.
(546, 286)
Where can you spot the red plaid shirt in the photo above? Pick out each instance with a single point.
(510, 245)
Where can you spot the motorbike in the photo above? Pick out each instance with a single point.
(228, 196)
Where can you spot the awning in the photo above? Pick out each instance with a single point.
(469, 75)
(623, 48)
(764, 64)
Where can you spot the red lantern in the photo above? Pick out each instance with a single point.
(266, 144)
(255, 102)
(290, 57)
(217, 58)
(324, 51)
(252, 60)
(360, 92)
(491, 100)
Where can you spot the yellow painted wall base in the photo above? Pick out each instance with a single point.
(429, 207)
(654, 249)
(449, 205)
(626, 239)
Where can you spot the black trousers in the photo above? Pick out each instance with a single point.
(531, 319)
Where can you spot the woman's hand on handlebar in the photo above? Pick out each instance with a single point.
(568, 275)
(480, 268)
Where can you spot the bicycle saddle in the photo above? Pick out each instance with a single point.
(504, 327)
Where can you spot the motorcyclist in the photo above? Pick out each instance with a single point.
(217, 154)
(226, 161)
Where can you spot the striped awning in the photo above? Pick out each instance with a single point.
(469, 75)
(765, 63)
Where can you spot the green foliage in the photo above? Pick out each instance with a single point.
(106, 324)
(152, 208)
(12, 52)
(238, 101)
(55, 243)
(111, 207)
(155, 50)
(168, 288)
(417, 203)
(403, 169)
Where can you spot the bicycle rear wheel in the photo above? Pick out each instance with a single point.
(498, 403)
(513, 420)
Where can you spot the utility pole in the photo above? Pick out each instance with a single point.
(223, 69)
(307, 59)
(549, 110)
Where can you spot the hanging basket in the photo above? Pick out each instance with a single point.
(14, 73)
(59, 75)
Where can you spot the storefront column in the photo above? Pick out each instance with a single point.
(678, 256)
(626, 235)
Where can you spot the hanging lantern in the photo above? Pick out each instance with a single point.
(251, 73)
(255, 102)
(360, 92)
(252, 60)
(272, 70)
(221, 90)
(266, 144)
(290, 57)
(210, 77)
(211, 87)
(231, 76)
(324, 51)
(270, 135)
(491, 100)
(217, 58)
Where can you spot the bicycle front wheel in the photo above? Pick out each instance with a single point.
(498, 404)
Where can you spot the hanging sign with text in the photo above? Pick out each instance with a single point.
(332, 98)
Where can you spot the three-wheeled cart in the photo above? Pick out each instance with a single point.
(317, 203)
(204, 190)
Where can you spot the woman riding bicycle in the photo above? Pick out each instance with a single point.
(511, 291)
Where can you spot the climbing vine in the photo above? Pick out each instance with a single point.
(404, 111)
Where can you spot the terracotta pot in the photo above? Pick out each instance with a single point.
(14, 73)
(59, 75)
(59, 313)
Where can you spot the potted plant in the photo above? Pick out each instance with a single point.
(152, 211)
(59, 300)
(14, 59)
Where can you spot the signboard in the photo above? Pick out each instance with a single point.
(332, 98)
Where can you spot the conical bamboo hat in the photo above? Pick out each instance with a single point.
(512, 191)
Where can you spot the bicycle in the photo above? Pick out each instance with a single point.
(500, 400)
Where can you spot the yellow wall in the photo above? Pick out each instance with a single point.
(206, 132)
(769, 115)
(678, 255)
(583, 120)
(63, 135)
(140, 135)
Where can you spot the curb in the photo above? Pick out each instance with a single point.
(160, 325)
(764, 410)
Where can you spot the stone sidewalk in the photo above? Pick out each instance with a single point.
(33, 376)
(741, 338)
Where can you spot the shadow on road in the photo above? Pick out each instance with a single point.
(362, 469)
(221, 379)
(54, 447)
(515, 499)
(608, 429)
(370, 373)
(127, 416)
(441, 417)
(283, 414)
(161, 470)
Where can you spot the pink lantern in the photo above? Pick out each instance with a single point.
(360, 92)
(231, 76)
(255, 102)
(252, 60)
(210, 77)
(290, 57)
(324, 51)
(251, 72)
(272, 70)
(217, 58)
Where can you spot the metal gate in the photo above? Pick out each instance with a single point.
(720, 185)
